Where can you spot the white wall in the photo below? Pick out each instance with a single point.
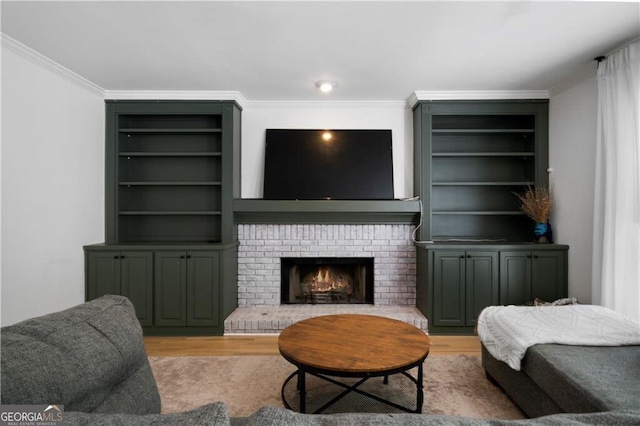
(572, 150)
(52, 187)
(259, 116)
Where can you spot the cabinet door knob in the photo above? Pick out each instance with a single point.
(188, 256)
(182, 257)
(535, 256)
(121, 257)
(462, 256)
(116, 257)
(468, 256)
(528, 256)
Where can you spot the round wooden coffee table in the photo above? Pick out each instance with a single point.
(350, 345)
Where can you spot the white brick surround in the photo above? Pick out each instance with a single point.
(262, 246)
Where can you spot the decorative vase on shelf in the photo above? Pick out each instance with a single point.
(542, 233)
(537, 203)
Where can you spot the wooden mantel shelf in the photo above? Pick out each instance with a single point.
(326, 211)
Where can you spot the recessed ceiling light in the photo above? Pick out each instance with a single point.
(325, 86)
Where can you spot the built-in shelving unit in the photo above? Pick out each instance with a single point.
(171, 246)
(169, 178)
(471, 157)
(169, 183)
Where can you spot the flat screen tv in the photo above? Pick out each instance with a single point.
(307, 164)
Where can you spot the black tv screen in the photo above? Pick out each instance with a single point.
(328, 164)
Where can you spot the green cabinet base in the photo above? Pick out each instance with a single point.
(456, 281)
(175, 289)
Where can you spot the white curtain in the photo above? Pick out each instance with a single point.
(616, 253)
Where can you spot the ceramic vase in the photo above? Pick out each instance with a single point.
(542, 233)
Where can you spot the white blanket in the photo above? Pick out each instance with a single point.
(508, 331)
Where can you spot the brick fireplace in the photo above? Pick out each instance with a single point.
(263, 246)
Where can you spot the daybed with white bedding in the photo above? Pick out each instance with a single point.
(554, 359)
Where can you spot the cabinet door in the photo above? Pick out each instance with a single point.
(515, 277)
(203, 286)
(103, 273)
(449, 288)
(548, 276)
(136, 274)
(170, 284)
(481, 283)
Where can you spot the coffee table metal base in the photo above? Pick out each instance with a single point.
(300, 377)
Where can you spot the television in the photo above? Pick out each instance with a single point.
(306, 164)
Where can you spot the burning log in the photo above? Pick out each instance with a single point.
(327, 279)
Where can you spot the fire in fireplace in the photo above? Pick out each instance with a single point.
(327, 280)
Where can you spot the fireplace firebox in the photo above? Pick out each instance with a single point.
(336, 280)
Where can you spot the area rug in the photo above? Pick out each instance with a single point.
(453, 384)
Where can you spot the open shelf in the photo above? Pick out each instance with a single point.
(482, 122)
(170, 143)
(168, 183)
(468, 226)
(470, 183)
(169, 213)
(482, 169)
(483, 154)
(170, 154)
(169, 227)
(483, 130)
(166, 169)
(168, 130)
(478, 212)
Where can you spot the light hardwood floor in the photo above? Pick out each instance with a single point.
(268, 345)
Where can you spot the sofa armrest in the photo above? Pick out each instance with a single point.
(89, 358)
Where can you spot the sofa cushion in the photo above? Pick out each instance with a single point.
(586, 378)
(207, 415)
(88, 358)
(271, 416)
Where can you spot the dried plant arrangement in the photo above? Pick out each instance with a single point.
(537, 203)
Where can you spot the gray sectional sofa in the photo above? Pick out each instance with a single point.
(91, 359)
(570, 379)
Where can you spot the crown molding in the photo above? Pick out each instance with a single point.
(325, 104)
(467, 95)
(187, 95)
(39, 59)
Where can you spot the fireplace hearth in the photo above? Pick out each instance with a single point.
(327, 280)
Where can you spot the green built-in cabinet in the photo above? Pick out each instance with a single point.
(171, 174)
(187, 288)
(456, 281)
(470, 157)
(467, 280)
(129, 273)
(533, 273)
(175, 289)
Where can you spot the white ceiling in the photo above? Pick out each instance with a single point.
(277, 50)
